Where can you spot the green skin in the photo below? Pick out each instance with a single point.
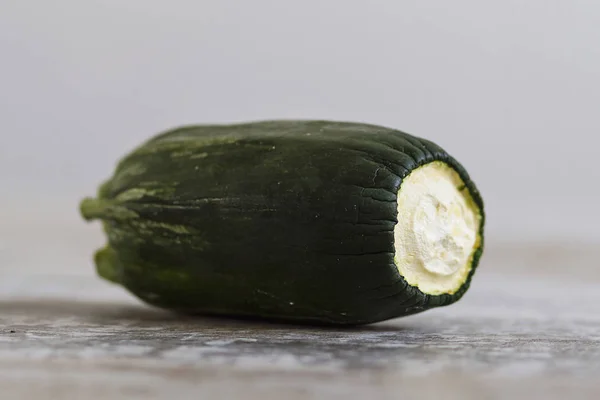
(282, 220)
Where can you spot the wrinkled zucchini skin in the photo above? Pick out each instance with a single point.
(281, 220)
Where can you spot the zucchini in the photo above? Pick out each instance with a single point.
(320, 222)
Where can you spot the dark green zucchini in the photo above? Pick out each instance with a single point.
(290, 220)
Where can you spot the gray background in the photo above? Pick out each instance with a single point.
(511, 88)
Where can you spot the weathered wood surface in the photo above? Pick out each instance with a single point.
(530, 326)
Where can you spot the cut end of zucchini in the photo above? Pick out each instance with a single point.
(438, 229)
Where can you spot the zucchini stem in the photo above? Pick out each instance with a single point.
(92, 208)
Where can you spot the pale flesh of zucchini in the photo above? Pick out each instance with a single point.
(437, 231)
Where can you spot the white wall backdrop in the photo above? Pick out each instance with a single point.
(511, 88)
